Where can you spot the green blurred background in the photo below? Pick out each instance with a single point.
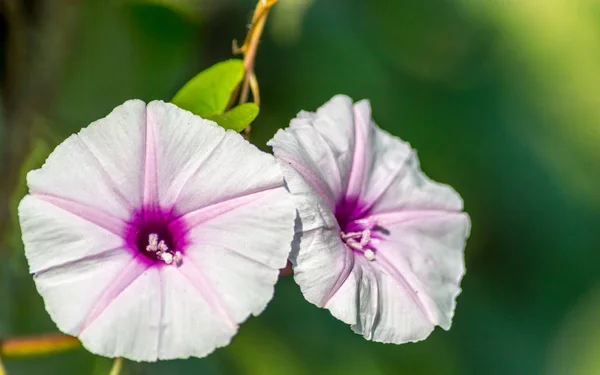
(501, 98)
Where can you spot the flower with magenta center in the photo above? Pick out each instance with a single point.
(153, 233)
(380, 244)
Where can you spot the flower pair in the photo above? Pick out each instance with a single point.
(153, 233)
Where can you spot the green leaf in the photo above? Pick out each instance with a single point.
(237, 118)
(208, 93)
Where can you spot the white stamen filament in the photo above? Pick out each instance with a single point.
(351, 241)
(366, 237)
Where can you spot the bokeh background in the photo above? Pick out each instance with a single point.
(501, 98)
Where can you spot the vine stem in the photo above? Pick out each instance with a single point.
(2, 370)
(249, 49)
(117, 365)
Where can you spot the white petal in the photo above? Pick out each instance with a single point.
(178, 147)
(240, 249)
(54, 236)
(369, 302)
(189, 324)
(396, 183)
(423, 252)
(130, 324)
(81, 269)
(320, 259)
(413, 283)
(315, 154)
(70, 291)
(88, 168)
(199, 163)
(320, 147)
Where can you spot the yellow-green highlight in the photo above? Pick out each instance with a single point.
(37, 345)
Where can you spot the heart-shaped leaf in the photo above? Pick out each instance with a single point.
(209, 92)
(237, 118)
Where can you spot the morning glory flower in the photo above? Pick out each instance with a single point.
(380, 244)
(153, 233)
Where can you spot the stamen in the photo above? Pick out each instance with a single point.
(167, 257)
(366, 237)
(177, 258)
(369, 222)
(351, 235)
(152, 242)
(162, 246)
(359, 240)
(161, 250)
(355, 245)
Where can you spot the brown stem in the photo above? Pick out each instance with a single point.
(249, 49)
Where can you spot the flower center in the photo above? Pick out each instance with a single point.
(155, 242)
(159, 249)
(357, 236)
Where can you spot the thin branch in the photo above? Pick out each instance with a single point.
(117, 365)
(249, 49)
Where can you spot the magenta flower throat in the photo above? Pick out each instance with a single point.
(359, 232)
(157, 236)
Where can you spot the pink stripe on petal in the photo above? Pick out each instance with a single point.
(194, 218)
(391, 218)
(234, 252)
(150, 164)
(126, 277)
(362, 121)
(397, 272)
(344, 274)
(328, 149)
(314, 181)
(385, 185)
(193, 274)
(85, 212)
(92, 257)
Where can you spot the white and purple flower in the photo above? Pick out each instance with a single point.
(380, 245)
(153, 233)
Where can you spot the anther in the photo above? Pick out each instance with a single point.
(162, 246)
(152, 242)
(177, 258)
(167, 258)
(161, 250)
